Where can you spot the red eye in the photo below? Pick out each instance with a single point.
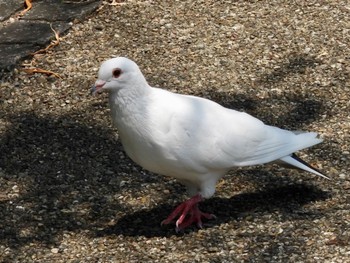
(116, 72)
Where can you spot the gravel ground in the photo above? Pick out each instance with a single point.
(68, 193)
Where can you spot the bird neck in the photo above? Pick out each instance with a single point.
(131, 94)
(129, 102)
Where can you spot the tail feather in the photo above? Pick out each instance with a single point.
(301, 164)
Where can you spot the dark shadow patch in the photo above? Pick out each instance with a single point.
(65, 170)
(287, 110)
(296, 64)
(284, 199)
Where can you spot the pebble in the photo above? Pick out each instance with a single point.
(342, 176)
(55, 250)
(15, 188)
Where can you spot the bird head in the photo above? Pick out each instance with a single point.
(116, 74)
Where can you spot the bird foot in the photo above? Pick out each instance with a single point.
(189, 214)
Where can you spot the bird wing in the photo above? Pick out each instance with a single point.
(203, 134)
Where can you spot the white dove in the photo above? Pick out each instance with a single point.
(192, 139)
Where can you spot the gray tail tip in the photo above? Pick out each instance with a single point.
(294, 156)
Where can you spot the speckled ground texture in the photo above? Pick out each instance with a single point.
(68, 193)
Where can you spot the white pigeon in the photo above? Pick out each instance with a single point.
(192, 139)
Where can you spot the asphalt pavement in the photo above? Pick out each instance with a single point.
(23, 34)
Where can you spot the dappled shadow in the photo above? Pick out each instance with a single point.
(289, 111)
(296, 64)
(63, 172)
(287, 200)
(68, 169)
(41, 145)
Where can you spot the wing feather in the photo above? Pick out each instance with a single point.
(206, 135)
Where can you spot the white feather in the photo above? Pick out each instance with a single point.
(190, 138)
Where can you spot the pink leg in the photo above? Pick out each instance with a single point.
(189, 214)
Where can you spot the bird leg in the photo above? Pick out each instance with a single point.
(189, 214)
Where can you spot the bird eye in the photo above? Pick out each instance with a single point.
(116, 72)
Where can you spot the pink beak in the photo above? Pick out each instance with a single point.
(97, 86)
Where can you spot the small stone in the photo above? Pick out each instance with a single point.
(213, 249)
(15, 188)
(99, 27)
(342, 176)
(41, 79)
(19, 207)
(55, 250)
(200, 45)
(122, 183)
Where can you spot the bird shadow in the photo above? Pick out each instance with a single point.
(287, 200)
(296, 64)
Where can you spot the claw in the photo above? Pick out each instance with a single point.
(189, 214)
(177, 230)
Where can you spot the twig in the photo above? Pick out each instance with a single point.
(28, 4)
(53, 43)
(43, 71)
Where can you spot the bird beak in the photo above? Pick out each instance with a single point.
(97, 87)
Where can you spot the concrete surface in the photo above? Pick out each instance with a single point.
(21, 36)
